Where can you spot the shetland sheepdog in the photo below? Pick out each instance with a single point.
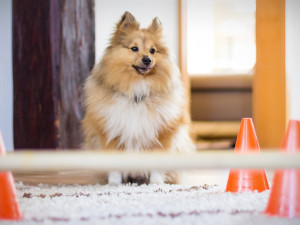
(135, 100)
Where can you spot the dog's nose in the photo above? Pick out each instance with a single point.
(146, 60)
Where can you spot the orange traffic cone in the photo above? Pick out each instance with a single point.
(247, 180)
(9, 207)
(284, 200)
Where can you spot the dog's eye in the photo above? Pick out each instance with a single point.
(152, 50)
(134, 49)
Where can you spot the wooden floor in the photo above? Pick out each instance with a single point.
(66, 177)
(195, 177)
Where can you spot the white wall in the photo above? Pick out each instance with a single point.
(108, 13)
(293, 57)
(6, 86)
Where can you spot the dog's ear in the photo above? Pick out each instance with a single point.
(128, 22)
(156, 26)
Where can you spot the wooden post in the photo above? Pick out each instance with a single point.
(53, 52)
(269, 94)
(182, 25)
(77, 59)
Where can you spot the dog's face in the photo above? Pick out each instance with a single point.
(136, 59)
(137, 50)
(142, 54)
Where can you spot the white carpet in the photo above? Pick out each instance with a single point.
(153, 204)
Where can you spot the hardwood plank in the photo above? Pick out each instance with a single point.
(269, 94)
(182, 25)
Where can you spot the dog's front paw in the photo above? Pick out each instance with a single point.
(139, 180)
(157, 178)
(115, 178)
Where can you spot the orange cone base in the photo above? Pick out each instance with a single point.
(247, 180)
(284, 200)
(291, 139)
(9, 208)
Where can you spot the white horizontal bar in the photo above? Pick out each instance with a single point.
(105, 161)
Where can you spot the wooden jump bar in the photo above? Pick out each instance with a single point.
(106, 161)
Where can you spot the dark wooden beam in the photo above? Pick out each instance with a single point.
(53, 53)
(35, 75)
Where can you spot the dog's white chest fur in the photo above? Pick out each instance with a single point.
(137, 124)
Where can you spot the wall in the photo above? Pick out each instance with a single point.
(6, 86)
(292, 58)
(108, 13)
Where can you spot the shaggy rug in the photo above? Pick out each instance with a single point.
(145, 204)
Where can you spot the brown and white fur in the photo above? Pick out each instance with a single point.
(134, 99)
